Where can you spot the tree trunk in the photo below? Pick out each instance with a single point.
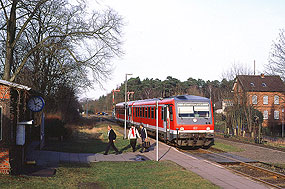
(11, 32)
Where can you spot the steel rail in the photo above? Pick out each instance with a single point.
(272, 173)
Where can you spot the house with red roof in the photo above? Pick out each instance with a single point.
(264, 93)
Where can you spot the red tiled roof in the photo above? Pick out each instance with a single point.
(259, 83)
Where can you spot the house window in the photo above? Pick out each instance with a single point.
(265, 99)
(254, 99)
(276, 114)
(276, 99)
(263, 84)
(265, 114)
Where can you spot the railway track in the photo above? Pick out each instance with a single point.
(254, 170)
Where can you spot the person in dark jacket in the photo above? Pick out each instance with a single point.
(144, 138)
(112, 137)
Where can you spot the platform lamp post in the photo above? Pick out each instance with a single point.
(157, 105)
(125, 128)
(157, 130)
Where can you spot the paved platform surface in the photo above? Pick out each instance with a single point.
(214, 173)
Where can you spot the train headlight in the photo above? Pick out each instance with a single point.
(195, 120)
(181, 128)
(208, 128)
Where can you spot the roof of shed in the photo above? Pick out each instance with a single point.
(11, 84)
(261, 83)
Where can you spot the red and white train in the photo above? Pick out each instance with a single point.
(186, 120)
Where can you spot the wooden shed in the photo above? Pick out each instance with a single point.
(14, 110)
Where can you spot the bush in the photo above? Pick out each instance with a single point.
(54, 127)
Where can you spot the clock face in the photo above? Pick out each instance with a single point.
(36, 103)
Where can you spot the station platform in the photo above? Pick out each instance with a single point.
(215, 173)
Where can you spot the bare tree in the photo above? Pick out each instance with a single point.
(64, 37)
(236, 69)
(276, 63)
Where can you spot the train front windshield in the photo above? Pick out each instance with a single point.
(193, 110)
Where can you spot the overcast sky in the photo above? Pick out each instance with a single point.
(192, 38)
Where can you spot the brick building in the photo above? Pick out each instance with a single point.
(264, 93)
(13, 110)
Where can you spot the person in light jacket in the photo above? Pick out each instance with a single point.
(133, 135)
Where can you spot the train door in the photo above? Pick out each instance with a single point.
(166, 123)
(130, 114)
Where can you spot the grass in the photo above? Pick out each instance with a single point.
(275, 144)
(147, 174)
(281, 165)
(278, 143)
(227, 147)
(90, 140)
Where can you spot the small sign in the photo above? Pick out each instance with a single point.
(20, 139)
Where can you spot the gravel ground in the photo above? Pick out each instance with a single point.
(257, 153)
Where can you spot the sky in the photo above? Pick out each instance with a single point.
(191, 38)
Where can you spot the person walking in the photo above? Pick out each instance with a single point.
(144, 138)
(112, 137)
(133, 135)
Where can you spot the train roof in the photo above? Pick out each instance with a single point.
(190, 97)
(175, 98)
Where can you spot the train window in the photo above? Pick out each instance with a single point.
(171, 113)
(137, 111)
(143, 112)
(190, 110)
(140, 112)
(152, 113)
(148, 112)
